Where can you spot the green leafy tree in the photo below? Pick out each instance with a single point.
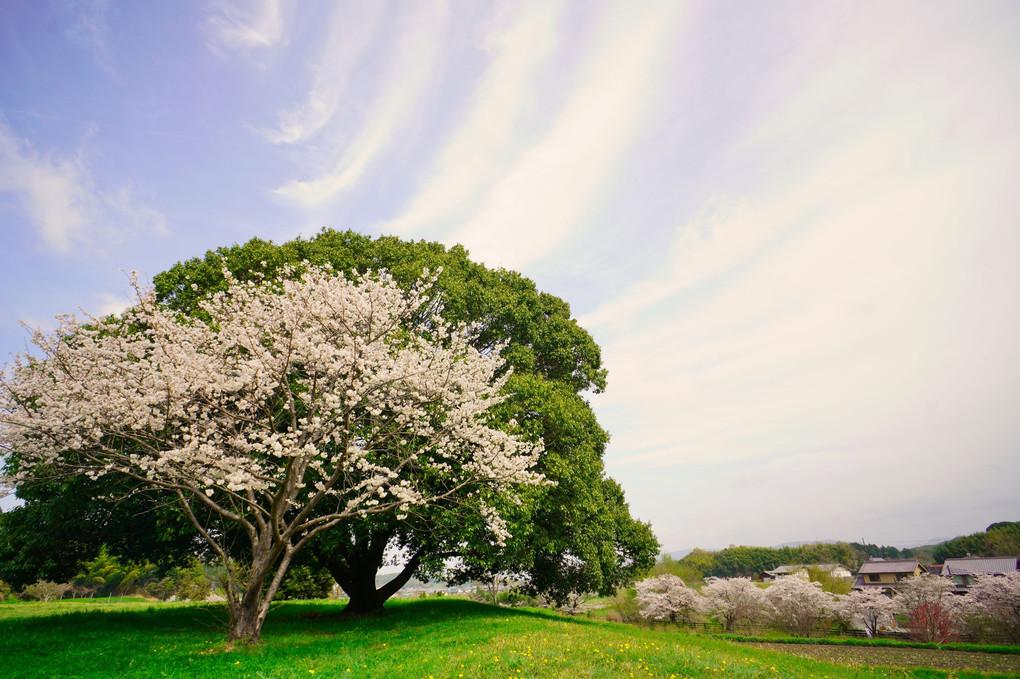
(62, 525)
(999, 539)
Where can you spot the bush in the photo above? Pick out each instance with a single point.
(623, 606)
(5, 590)
(305, 582)
(44, 590)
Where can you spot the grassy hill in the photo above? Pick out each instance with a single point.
(426, 638)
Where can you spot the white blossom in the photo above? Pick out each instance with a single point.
(667, 598)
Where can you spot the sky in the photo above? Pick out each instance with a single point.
(791, 226)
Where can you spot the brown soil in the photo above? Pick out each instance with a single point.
(903, 657)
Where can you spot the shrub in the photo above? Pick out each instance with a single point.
(305, 582)
(623, 606)
(44, 590)
(5, 590)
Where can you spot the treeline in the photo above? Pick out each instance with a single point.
(743, 562)
(190, 579)
(999, 539)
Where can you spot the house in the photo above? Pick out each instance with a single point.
(837, 570)
(885, 573)
(963, 570)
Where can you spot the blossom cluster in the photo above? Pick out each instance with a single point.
(315, 390)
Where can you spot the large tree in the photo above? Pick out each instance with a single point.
(285, 408)
(574, 535)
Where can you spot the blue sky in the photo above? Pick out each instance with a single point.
(791, 226)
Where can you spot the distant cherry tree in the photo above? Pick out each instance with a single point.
(932, 608)
(798, 606)
(293, 406)
(667, 598)
(735, 602)
(996, 598)
(869, 606)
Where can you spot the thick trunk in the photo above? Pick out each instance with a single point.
(246, 617)
(358, 578)
(355, 564)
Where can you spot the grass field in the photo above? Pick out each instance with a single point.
(427, 639)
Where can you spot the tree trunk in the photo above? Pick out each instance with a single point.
(358, 578)
(246, 617)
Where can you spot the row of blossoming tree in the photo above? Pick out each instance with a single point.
(927, 604)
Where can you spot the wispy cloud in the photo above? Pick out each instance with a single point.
(854, 311)
(486, 143)
(536, 204)
(89, 29)
(59, 199)
(351, 30)
(411, 69)
(247, 25)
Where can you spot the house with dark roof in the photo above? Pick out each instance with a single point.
(963, 570)
(885, 573)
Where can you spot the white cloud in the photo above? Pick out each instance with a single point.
(247, 25)
(540, 200)
(484, 146)
(58, 197)
(112, 304)
(411, 70)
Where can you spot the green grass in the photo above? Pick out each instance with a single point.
(424, 638)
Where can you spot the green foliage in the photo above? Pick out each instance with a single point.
(830, 583)
(741, 561)
(1000, 539)
(62, 525)
(5, 590)
(193, 581)
(623, 606)
(870, 551)
(667, 565)
(305, 582)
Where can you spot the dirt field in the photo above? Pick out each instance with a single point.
(903, 657)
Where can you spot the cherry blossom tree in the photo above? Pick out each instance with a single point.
(933, 609)
(798, 606)
(996, 598)
(734, 601)
(295, 406)
(667, 598)
(870, 606)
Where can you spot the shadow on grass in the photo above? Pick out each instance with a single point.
(407, 615)
(286, 618)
